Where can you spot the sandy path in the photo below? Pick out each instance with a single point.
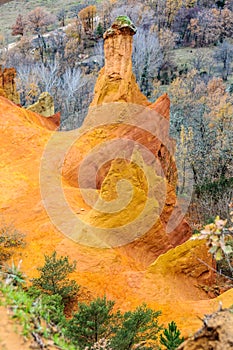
(9, 333)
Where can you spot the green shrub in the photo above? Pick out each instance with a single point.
(99, 30)
(171, 337)
(50, 308)
(54, 277)
(13, 275)
(41, 315)
(124, 20)
(97, 321)
(138, 327)
(92, 322)
(93, 326)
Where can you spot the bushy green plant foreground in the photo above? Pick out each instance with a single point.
(94, 325)
(53, 277)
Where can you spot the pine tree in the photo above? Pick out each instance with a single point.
(171, 337)
(54, 277)
(96, 321)
(145, 78)
(99, 30)
(137, 327)
(92, 322)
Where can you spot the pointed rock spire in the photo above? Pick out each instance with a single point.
(116, 81)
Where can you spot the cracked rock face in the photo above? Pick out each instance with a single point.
(44, 106)
(116, 81)
(217, 333)
(7, 84)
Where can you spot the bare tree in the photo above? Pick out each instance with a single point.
(48, 77)
(72, 91)
(71, 94)
(147, 58)
(201, 61)
(224, 55)
(70, 83)
(56, 45)
(99, 53)
(38, 21)
(27, 82)
(61, 16)
(140, 15)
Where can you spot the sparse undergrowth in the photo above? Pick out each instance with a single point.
(219, 238)
(10, 239)
(218, 234)
(42, 317)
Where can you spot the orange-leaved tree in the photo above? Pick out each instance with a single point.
(87, 16)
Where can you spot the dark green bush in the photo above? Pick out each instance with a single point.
(137, 327)
(92, 322)
(97, 321)
(99, 30)
(54, 277)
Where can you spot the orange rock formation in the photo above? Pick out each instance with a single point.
(116, 82)
(40, 194)
(7, 84)
(45, 108)
(44, 105)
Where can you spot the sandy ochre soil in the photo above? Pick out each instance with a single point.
(10, 338)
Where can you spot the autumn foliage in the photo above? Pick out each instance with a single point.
(87, 16)
(19, 26)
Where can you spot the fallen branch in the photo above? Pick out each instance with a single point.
(211, 268)
(38, 340)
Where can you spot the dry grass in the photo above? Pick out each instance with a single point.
(11, 9)
(184, 56)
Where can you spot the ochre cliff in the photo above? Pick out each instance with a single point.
(57, 186)
(8, 85)
(117, 94)
(174, 277)
(116, 81)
